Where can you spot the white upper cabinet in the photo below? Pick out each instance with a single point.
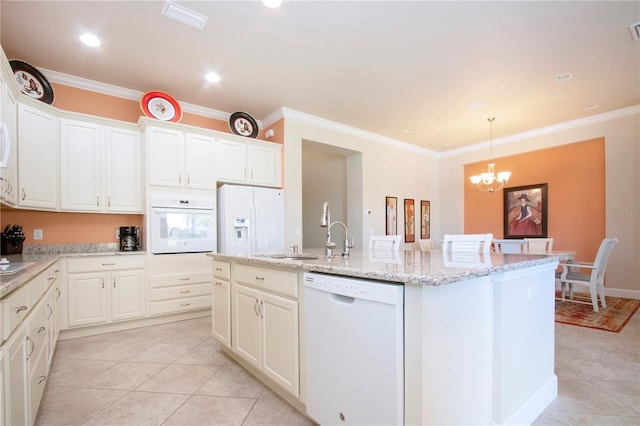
(123, 170)
(8, 146)
(253, 162)
(180, 160)
(100, 168)
(37, 158)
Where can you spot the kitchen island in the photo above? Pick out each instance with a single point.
(478, 330)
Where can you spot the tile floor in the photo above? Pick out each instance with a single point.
(175, 374)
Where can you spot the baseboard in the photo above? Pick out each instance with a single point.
(612, 292)
(74, 333)
(531, 409)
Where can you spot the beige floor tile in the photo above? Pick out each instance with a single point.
(178, 378)
(275, 411)
(73, 406)
(162, 352)
(192, 336)
(139, 408)
(125, 375)
(119, 351)
(627, 391)
(209, 410)
(204, 355)
(231, 380)
(72, 372)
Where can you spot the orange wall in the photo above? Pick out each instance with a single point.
(68, 228)
(74, 228)
(575, 174)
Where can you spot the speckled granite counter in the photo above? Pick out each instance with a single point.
(41, 257)
(422, 267)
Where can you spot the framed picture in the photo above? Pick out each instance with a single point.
(391, 205)
(425, 220)
(409, 221)
(525, 211)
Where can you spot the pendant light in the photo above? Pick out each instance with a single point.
(489, 181)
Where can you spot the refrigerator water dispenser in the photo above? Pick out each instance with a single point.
(240, 230)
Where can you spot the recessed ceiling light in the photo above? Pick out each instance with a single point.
(564, 77)
(212, 77)
(272, 3)
(477, 104)
(90, 40)
(591, 106)
(183, 14)
(409, 130)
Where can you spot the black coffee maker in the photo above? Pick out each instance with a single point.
(129, 238)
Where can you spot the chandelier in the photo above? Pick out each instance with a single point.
(489, 181)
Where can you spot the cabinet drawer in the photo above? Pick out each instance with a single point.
(179, 279)
(221, 270)
(36, 288)
(272, 280)
(37, 331)
(105, 263)
(14, 308)
(179, 305)
(37, 382)
(165, 293)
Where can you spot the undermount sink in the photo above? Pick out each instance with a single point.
(292, 256)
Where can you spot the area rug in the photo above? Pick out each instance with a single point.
(613, 318)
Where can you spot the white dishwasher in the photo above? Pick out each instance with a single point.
(354, 339)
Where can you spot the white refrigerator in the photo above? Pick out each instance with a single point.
(250, 220)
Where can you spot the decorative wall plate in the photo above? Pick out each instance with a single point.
(155, 104)
(243, 124)
(31, 81)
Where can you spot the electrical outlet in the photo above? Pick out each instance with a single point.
(37, 234)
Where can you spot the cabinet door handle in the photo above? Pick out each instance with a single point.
(114, 283)
(98, 201)
(185, 304)
(244, 172)
(179, 177)
(51, 278)
(188, 178)
(33, 346)
(185, 292)
(185, 279)
(50, 311)
(21, 308)
(219, 269)
(24, 194)
(259, 278)
(109, 201)
(40, 330)
(42, 378)
(103, 283)
(261, 309)
(58, 294)
(108, 264)
(218, 283)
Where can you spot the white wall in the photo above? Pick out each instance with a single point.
(387, 170)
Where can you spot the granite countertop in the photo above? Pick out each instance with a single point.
(40, 257)
(421, 267)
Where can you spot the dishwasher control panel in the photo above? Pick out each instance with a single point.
(356, 288)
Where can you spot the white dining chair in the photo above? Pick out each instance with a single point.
(588, 274)
(385, 243)
(510, 246)
(539, 245)
(425, 244)
(474, 243)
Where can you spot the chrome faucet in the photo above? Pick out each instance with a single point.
(326, 223)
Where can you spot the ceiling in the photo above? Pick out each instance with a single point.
(439, 68)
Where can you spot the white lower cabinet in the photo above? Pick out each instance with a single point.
(26, 353)
(105, 288)
(16, 378)
(221, 321)
(264, 325)
(179, 283)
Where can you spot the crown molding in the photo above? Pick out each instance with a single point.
(354, 131)
(567, 125)
(121, 92)
(284, 112)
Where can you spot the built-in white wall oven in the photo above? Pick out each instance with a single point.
(182, 224)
